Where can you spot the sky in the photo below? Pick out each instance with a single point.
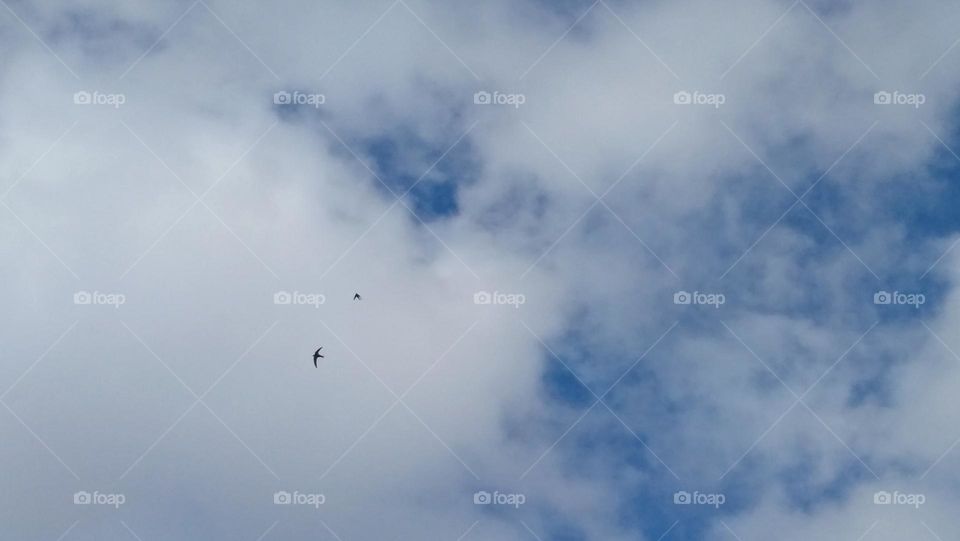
(645, 270)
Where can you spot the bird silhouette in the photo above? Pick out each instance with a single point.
(356, 296)
(316, 355)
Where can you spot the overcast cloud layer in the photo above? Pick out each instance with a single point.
(630, 270)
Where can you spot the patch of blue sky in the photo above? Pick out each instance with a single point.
(403, 160)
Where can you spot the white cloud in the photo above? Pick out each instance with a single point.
(289, 208)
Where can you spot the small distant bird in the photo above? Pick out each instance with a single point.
(356, 296)
(316, 355)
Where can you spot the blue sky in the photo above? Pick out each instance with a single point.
(630, 270)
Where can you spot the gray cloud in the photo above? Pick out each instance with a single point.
(199, 198)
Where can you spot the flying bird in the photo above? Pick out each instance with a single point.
(316, 355)
(356, 296)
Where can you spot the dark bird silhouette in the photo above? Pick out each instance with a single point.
(356, 296)
(316, 355)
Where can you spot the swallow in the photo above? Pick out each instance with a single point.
(316, 355)
(356, 296)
